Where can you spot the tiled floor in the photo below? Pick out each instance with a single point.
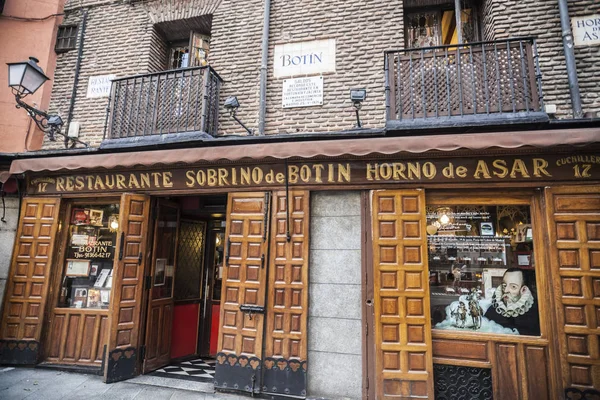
(201, 370)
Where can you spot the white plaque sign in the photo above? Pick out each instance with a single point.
(586, 30)
(303, 92)
(304, 58)
(99, 86)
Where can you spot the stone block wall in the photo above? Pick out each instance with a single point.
(8, 231)
(334, 313)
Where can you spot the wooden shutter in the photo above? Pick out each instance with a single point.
(403, 356)
(573, 215)
(286, 337)
(27, 287)
(127, 291)
(244, 281)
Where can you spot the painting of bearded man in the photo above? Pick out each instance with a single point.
(513, 304)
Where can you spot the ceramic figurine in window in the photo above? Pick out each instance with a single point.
(460, 314)
(475, 309)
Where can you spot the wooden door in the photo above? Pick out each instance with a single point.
(573, 215)
(239, 360)
(128, 279)
(403, 356)
(285, 361)
(160, 286)
(27, 286)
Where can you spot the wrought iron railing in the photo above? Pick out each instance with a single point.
(176, 101)
(479, 79)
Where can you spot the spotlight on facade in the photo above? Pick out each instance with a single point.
(25, 78)
(357, 96)
(231, 105)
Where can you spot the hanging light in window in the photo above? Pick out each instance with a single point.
(113, 223)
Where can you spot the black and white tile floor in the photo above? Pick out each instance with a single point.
(201, 369)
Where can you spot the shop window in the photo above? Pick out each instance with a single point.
(180, 55)
(482, 272)
(89, 259)
(66, 38)
(437, 26)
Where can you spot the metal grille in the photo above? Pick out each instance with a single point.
(190, 258)
(462, 383)
(184, 100)
(468, 79)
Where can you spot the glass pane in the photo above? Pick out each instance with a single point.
(219, 245)
(164, 264)
(190, 258)
(481, 269)
(200, 47)
(179, 57)
(89, 261)
(423, 29)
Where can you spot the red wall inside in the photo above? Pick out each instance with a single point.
(184, 334)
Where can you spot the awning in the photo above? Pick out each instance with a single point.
(4, 176)
(314, 149)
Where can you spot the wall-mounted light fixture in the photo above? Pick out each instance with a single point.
(358, 96)
(231, 105)
(113, 223)
(24, 78)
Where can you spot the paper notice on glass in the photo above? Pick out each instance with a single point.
(79, 240)
(102, 278)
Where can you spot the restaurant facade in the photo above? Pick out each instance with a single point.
(435, 235)
(443, 233)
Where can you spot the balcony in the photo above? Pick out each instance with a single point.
(464, 85)
(174, 105)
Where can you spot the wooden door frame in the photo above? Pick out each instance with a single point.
(368, 295)
(207, 299)
(534, 198)
(149, 273)
(562, 375)
(526, 197)
(58, 260)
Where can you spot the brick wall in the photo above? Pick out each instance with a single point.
(121, 39)
(235, 55)
(541, 19)
(362, 30)
(588, 60)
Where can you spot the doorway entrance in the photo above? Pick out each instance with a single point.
(183, 285)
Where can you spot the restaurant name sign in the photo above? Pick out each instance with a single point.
(375, 172)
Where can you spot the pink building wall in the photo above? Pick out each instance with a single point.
(20, 39)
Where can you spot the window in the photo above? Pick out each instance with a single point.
(87, 275)
(437, 26)
(482, 272)
(179, 53)
(66, 39)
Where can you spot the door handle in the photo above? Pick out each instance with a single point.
(227, 248)
(121, 246)
(140, 258)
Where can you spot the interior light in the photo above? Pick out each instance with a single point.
(444, 219)
(113, 223)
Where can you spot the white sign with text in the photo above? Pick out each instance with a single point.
(586, 30)
(304, 58)
(99, 86)
(302, 92)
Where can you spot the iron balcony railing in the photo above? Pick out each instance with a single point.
(176, 101)
(472, 79)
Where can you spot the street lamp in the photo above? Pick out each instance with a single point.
(24, 78)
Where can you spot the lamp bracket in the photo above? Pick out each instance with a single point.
(41, 120)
